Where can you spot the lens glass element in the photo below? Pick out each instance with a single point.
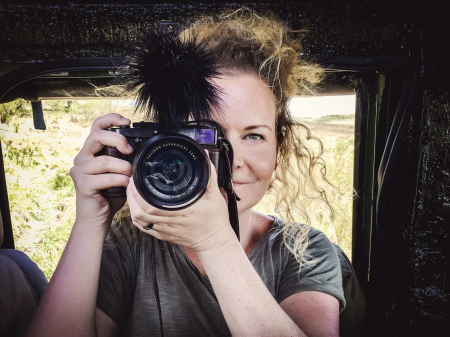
(173, 170)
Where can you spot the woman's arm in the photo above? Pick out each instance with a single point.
(105, 325)
(68, 307)
(315, 312)
(250, 309)
(246, 303)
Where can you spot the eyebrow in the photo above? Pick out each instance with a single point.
(252, 127)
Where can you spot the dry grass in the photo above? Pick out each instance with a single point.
(37, 164)
(42, 195)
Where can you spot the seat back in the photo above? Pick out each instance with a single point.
(351, 318)
(22, 284)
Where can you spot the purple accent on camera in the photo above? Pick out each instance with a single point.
(205, 136)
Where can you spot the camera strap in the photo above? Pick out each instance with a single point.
(155, 282)
(226, 154)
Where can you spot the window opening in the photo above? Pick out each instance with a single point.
(373, 100)
(42, 195)
(37, 164)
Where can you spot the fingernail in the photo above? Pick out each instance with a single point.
(125, 119)
(130, 147)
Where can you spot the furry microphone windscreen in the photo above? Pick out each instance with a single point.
(173, 79)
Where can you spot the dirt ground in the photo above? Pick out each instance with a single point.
(331, 127)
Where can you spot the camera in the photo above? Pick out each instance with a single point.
(171, 169)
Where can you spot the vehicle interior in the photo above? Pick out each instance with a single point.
(399, 251)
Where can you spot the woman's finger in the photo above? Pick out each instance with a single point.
(141, 215)
(164, 231)
(139, 224)
(151, 231)
(146, 226)
(108, 121)
(94, 183)
(149, 214)
(213, 183)
(106, 164)
(98, 139)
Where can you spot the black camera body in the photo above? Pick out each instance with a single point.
(171, 170)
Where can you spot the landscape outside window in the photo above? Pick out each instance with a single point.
(41, 191)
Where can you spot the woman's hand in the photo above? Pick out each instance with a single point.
(92, 174)
(201, 226)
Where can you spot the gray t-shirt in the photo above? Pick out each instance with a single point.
(189, 306)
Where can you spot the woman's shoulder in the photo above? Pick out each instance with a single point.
(318, 245)
(318, 240)
(319, 271)
(315, 236)
(274, 241)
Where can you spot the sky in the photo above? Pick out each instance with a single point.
(318, 106)
(304, 107)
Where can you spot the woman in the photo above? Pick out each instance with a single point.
(209, 282)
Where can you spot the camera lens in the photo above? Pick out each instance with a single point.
(171, 171)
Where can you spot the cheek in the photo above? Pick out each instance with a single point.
(264, 163)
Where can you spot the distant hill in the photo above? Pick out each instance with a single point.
(330, 119)
(334, 118)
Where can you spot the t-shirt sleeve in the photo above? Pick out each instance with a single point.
(118, 274)
(321, 271)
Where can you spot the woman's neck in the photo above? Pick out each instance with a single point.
(253, 226)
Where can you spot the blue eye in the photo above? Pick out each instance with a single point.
(255, 136)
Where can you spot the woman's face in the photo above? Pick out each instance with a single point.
(248, 119)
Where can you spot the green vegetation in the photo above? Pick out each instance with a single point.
(13, 109)
(37, 164)
(61, 180)
(42, 194)
(24, 156)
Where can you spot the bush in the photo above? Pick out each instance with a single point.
(61, 180)
(25, 156)
(14, 108)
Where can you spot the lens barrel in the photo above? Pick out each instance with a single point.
(171, 171)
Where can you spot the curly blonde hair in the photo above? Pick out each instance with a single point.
(243, 41)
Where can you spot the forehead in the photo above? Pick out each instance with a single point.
(245, 98)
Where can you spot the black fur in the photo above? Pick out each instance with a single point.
(176, 79)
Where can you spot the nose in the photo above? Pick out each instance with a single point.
(239, 158)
